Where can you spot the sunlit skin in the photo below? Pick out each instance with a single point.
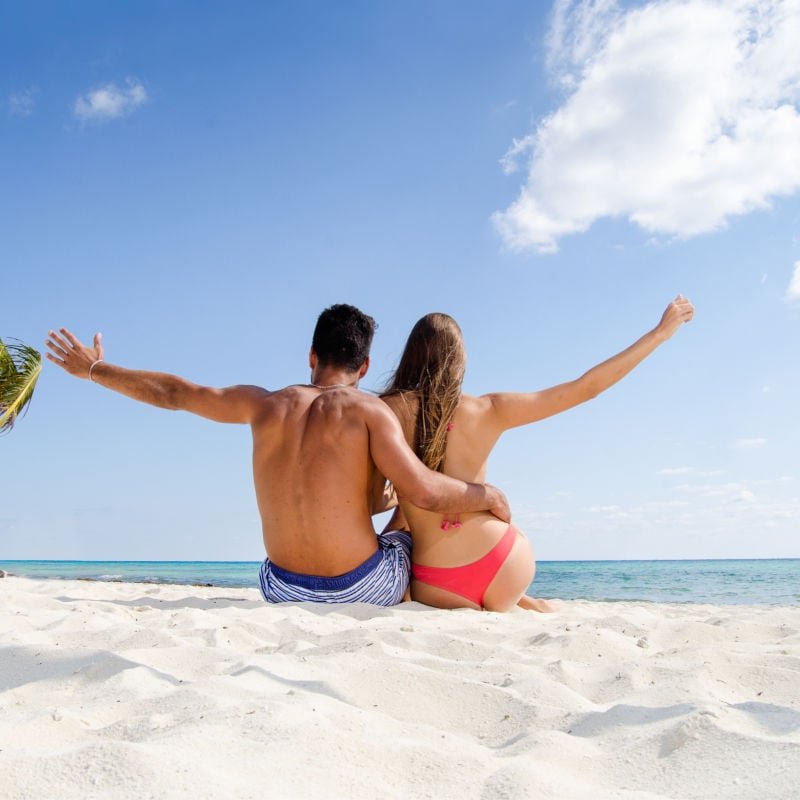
(315, 453)
(478, 424)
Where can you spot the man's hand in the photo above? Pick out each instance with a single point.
(500, 507)
(233, 404)
(73, 356)
(680, 310)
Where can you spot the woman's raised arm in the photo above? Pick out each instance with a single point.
(511, 409)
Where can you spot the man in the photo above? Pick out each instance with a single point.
(316, 450)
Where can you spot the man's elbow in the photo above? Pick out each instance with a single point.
(423, 497)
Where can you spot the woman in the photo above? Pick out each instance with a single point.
(475, 560)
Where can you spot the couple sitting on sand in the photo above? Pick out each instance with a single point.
(323, 452)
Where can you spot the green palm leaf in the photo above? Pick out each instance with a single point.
(20, 366)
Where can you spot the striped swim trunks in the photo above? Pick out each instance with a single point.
(381, 580)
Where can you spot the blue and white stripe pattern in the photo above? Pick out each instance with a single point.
(381, 580)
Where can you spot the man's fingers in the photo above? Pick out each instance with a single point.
(54, 359)
(56, 348)
(72, 339)
(56, 338)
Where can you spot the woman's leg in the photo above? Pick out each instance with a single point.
(439, 598)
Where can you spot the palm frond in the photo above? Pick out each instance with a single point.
(20, 366)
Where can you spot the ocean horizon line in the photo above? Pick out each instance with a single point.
(738, 581)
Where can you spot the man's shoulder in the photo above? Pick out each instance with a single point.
(286, 391)
(361, 402)
(272, 401)
(355, 400)
(364, 405)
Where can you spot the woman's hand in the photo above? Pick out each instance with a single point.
(680, 310)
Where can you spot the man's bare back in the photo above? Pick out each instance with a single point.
(313, 470)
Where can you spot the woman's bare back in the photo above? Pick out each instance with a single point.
(454, 542)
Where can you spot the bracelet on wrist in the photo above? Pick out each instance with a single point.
(99, 361)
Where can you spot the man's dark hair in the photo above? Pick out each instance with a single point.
(343, 337)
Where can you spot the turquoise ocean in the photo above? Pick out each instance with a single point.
(740, 581)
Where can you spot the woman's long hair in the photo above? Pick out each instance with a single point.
(432, 366)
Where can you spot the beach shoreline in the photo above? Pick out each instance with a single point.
(165, 690)
(717, 581)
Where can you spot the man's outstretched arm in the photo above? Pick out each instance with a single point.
(232, 404)
(509, 409)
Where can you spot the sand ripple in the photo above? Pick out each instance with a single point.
(134, 691)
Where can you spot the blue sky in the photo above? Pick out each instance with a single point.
(198, 182)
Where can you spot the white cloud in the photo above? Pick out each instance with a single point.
(735, 519)
(577, 30)
(501, 108)
(532, 520)
(793, 292)
(678, 115)
(688, 471)
(611, 512)
(520, 146)
(728, 492)
(749, 444)
(110, 101)
(21, 104)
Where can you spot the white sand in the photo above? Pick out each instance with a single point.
(113, 690)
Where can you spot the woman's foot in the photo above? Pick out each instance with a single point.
(537, 604)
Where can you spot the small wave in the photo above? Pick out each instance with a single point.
(109, 577)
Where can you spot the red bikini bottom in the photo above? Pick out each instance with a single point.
(470, 580)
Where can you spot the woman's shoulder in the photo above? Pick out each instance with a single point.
(404, 406)
(472, 412)
(474, 404)
(402, 403)
(406, 403)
